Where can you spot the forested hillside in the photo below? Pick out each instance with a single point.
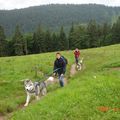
(54, 16)
(89, 36)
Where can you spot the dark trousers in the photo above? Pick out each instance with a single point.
(76, 60)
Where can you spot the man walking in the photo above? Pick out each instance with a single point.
(60, 68)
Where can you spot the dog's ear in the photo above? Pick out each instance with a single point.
(26, 81)
(30, 81)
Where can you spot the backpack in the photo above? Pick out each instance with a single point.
(65, 60)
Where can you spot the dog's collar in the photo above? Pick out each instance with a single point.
(31, 91)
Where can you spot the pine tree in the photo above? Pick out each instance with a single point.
(39, 41)
(2, 42)
(116, 32)
(71, 38)
(35, 47)
(25, 46)
(63, 41)
(55, 41)
(80, 37)
(105, 32)
(10, 47)
(48, 41)
(28, 38)
(18, 42)
(92, 33)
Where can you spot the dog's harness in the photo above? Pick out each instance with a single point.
(41, 85)
(35, 90)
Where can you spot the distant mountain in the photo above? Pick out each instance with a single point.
(54, 16)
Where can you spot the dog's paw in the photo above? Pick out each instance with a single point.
(37, 98)
(25, 105)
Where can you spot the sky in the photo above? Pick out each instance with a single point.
(13, 4)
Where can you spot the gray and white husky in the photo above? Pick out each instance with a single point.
(37, 89)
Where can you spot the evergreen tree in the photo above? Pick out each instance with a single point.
(18, 42)
(48, 41)
(92, 33)
(29, 43)
(25, 46)
(36, 46)
(55, 41)
(38, 41)
(71, 38)
(116, 32)
(105, 33)
(63, 41)
(10, 47)
(2, 42)
(80, 37)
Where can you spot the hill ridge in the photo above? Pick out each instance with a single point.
(54, 16)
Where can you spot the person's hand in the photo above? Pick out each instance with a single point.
(62, 74)
(54, 74)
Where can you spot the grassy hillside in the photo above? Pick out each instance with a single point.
(14, 69)
(92, 94)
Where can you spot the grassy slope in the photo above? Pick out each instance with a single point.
(94, 87)
(15, 69)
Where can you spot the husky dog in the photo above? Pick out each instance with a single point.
(36, 89)
(80, 64)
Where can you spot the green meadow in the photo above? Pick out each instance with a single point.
(91, 94)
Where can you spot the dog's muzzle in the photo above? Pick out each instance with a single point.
(30, 91)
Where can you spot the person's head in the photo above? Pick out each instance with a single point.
(58, 55)
(76, 49)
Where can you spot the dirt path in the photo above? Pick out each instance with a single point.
(73, 70)
(72, 73)
(2, 118)
(115, 68)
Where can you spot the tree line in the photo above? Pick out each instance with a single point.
(90, 35)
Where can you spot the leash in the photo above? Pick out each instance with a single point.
(46, 76)
(42, 82)
(54, 71)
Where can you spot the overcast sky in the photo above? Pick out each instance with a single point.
(12, 4)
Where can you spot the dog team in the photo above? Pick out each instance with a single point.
(39, 88)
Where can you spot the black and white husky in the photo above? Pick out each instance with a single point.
(37, 89)
(80, 64)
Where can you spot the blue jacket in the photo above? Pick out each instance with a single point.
(60, 65)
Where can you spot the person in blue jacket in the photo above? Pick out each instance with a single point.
(60, 68)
